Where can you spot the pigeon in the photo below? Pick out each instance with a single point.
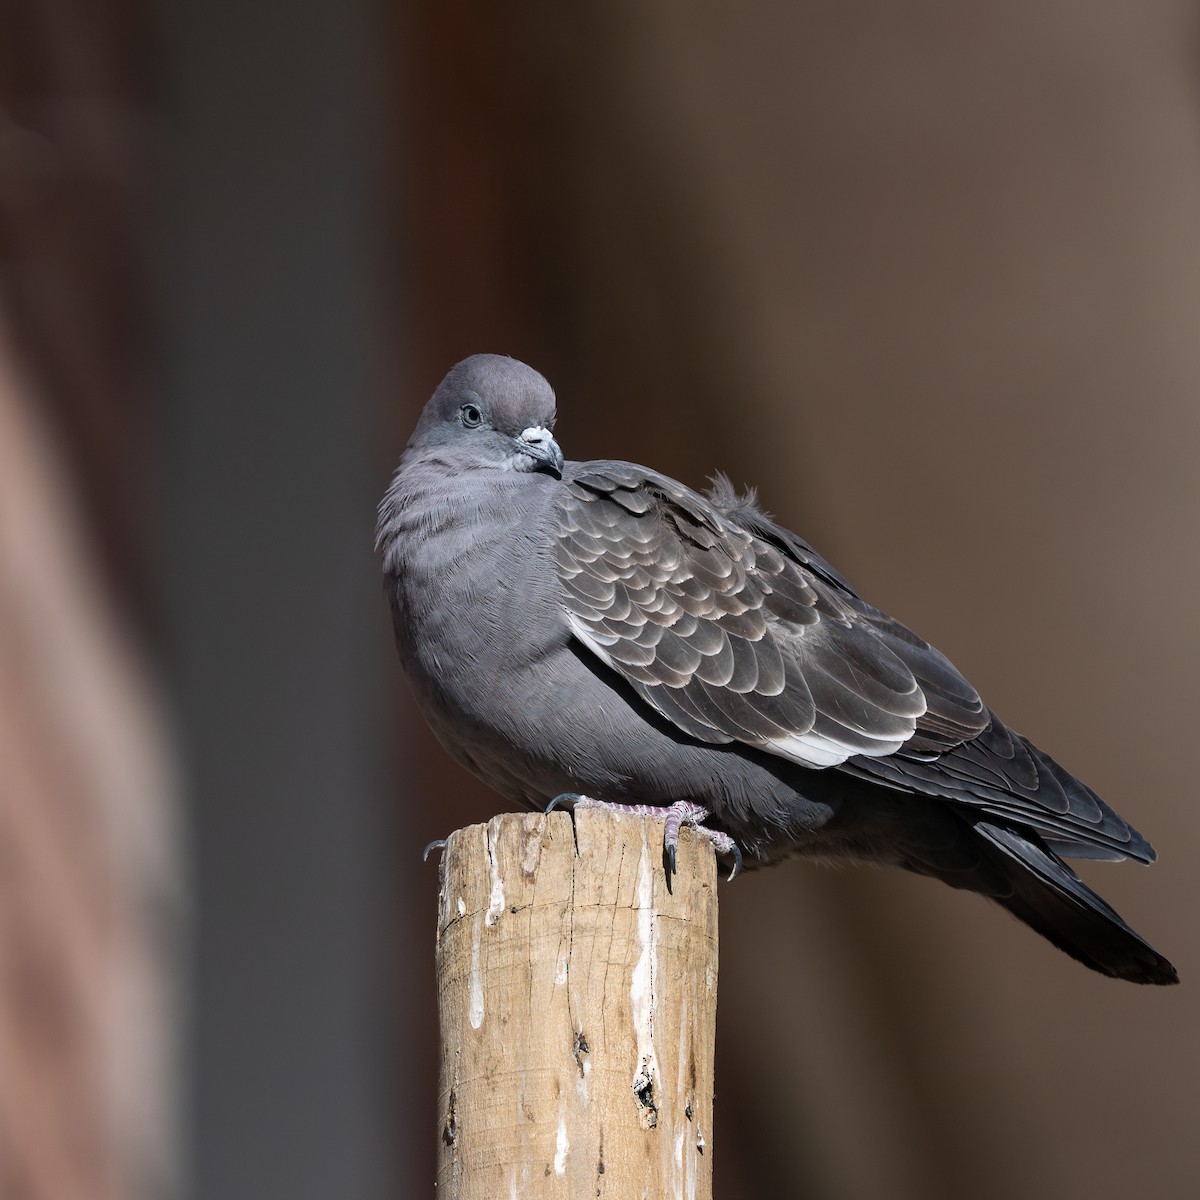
(600, 631)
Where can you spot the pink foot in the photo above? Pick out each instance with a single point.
(682, 812)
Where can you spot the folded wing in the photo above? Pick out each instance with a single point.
(733, 637)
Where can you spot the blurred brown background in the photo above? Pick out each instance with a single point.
(929, 276)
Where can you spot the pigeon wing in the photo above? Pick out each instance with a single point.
(724, 633)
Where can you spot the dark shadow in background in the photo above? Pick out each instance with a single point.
(277, 635)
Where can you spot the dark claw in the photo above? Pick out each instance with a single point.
(669, 865)
(436, 844)
(571, 796)
(737, 861)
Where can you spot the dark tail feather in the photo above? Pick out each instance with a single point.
(1040, 889)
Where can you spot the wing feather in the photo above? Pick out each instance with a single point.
(723, 632)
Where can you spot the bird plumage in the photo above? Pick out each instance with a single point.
(600, 628)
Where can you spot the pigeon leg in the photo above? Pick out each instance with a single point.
(682, 812)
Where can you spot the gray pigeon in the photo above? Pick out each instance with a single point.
(598, 630)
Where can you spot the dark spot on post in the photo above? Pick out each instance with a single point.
(450, 1127)
(581, 1048)
(643, 1089)
(687, 1112)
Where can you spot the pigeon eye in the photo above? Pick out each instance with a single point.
(471, 416)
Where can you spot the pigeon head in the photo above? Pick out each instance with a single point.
(492, 411)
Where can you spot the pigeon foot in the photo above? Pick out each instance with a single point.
(682, 812)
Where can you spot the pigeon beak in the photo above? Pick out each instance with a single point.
(538, 442)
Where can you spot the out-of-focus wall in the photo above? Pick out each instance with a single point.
(89, 854)
(91, 881)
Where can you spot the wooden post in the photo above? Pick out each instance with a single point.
(577, 1001)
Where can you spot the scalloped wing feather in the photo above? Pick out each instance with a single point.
(722, 632)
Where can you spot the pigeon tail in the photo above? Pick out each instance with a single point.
(1038, 888)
